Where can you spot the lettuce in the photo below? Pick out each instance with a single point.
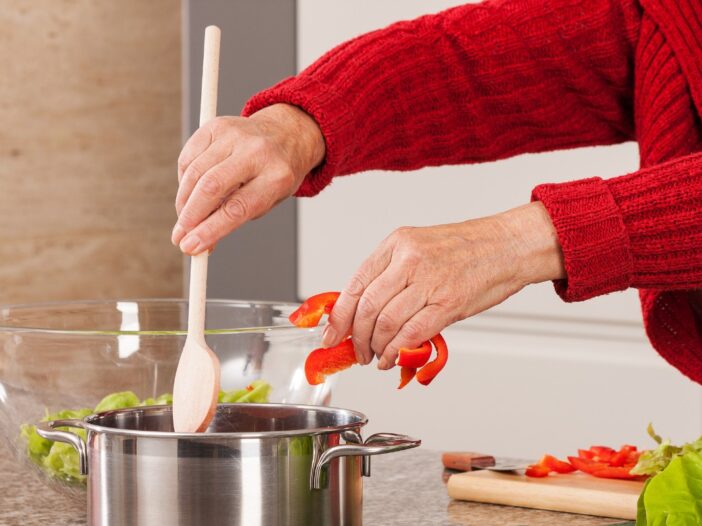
(117, 401)
(164, 399)
(37, 447)
(654, 461)
(61, 461)
(256, 393)
(674, 496)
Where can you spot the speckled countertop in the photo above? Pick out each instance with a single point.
(405, 489)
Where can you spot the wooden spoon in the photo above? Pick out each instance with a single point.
(197, 378)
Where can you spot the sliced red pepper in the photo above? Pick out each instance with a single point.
(325, 361)
(586, 465)
(586, 454)
(626, 455)
(414, 358)
(406, 375)
(311, 311)
(427, 373)
(602, 469)
(537, 471)
(602, 453)
(559, 466)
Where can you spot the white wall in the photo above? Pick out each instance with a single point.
(532, 374)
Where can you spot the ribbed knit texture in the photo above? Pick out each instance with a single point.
(488, 81)
(474, 83)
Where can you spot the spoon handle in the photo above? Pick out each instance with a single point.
(208, 111)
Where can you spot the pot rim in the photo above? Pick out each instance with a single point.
(362, 421)
(4, 327)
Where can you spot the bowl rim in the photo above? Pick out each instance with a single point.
(113, 333)
(362, 421)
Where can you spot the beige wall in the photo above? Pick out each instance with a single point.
(90, 95)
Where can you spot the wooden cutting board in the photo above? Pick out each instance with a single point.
(573, 493)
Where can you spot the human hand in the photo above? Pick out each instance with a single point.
(234, 169)
(420, 280)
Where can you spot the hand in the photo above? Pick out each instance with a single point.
(420, 280)
(234, 169)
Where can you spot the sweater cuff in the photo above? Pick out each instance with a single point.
(592, 235)
(317, 100)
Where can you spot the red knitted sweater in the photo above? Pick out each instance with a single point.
(487, 81)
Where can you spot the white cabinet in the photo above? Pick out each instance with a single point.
(533, 372)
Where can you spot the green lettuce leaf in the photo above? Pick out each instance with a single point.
(674, 496)
(164, 399)
(641, 507)
(117, 401)
(37, 447)
(229, 397)
(257, 393)
(654, 461)
(63, 461)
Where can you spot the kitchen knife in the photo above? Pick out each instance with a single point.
(469, 461)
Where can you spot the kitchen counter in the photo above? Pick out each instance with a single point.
(406, 488)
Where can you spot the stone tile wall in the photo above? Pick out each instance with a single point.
(90, 130)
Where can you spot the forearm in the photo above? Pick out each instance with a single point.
(533, 243)
(475, 83)
(640, 230)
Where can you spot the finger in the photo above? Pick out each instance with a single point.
(427, 323)
(373, 300)
(342, 315)
(218, 152)
(184, 223)
(210, 192)
(249, 202)
(193, 148)
(396, 313)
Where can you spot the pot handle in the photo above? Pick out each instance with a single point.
(46, 430)
(378, 444)
(374, 439)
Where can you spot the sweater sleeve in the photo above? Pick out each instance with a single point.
(475, 83)
(640, 230)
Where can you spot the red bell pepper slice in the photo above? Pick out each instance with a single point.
(537, 471)
(602, 469)
(406, 375)
(414, 358)
(586, 465)
(427, 373)
(410, 360)
(626, 455)
(559, 466)
(586, 454)
(311, 311)
(602, 453)
(325, 361)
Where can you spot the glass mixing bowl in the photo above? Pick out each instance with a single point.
(58, 356)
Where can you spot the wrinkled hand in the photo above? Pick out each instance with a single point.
(235, 169)
(420, 280)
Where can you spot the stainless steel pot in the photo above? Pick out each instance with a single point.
(267, 464)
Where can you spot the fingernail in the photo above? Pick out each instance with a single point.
(177, 234)
(190, 245)
(382, 363)
(328, 336)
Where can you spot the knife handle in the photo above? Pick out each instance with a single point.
(466, 460)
